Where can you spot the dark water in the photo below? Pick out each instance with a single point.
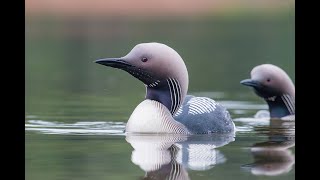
(76, 110)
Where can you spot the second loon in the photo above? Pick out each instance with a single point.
(167, 108)
(275, 86)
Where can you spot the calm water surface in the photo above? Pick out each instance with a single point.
(76, 110)
(63, 147)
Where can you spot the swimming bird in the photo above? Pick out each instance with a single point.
(167, 108)
(275, 86)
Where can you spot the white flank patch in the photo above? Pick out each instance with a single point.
(200, 105)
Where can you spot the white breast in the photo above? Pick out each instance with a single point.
(153, 117)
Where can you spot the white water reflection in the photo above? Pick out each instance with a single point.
(171, 156)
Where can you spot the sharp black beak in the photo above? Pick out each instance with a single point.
(250, 82)
(114, 62)
(122, 64)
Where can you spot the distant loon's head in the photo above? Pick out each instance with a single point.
(275, 86)
(160, 68)
(269, 80)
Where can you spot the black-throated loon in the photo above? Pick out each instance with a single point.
(167, 107)
(275, 86)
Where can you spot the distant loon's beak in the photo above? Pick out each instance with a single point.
(114, 62)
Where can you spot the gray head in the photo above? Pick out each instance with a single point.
(160, 68)
(271, 82)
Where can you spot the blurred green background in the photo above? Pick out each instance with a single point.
(219, 47)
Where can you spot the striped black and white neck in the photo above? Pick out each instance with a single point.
(168, 93)
(167, 108)
(281, 106)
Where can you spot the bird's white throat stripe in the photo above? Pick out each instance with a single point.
(175, 92)
(200, 105)
(289, 102)
(154, 84)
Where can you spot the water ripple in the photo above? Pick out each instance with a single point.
(78, 128)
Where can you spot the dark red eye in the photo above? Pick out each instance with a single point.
(268, 80)
(144, 59)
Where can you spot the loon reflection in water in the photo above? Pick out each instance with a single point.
(170, 156)
(274, 157)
